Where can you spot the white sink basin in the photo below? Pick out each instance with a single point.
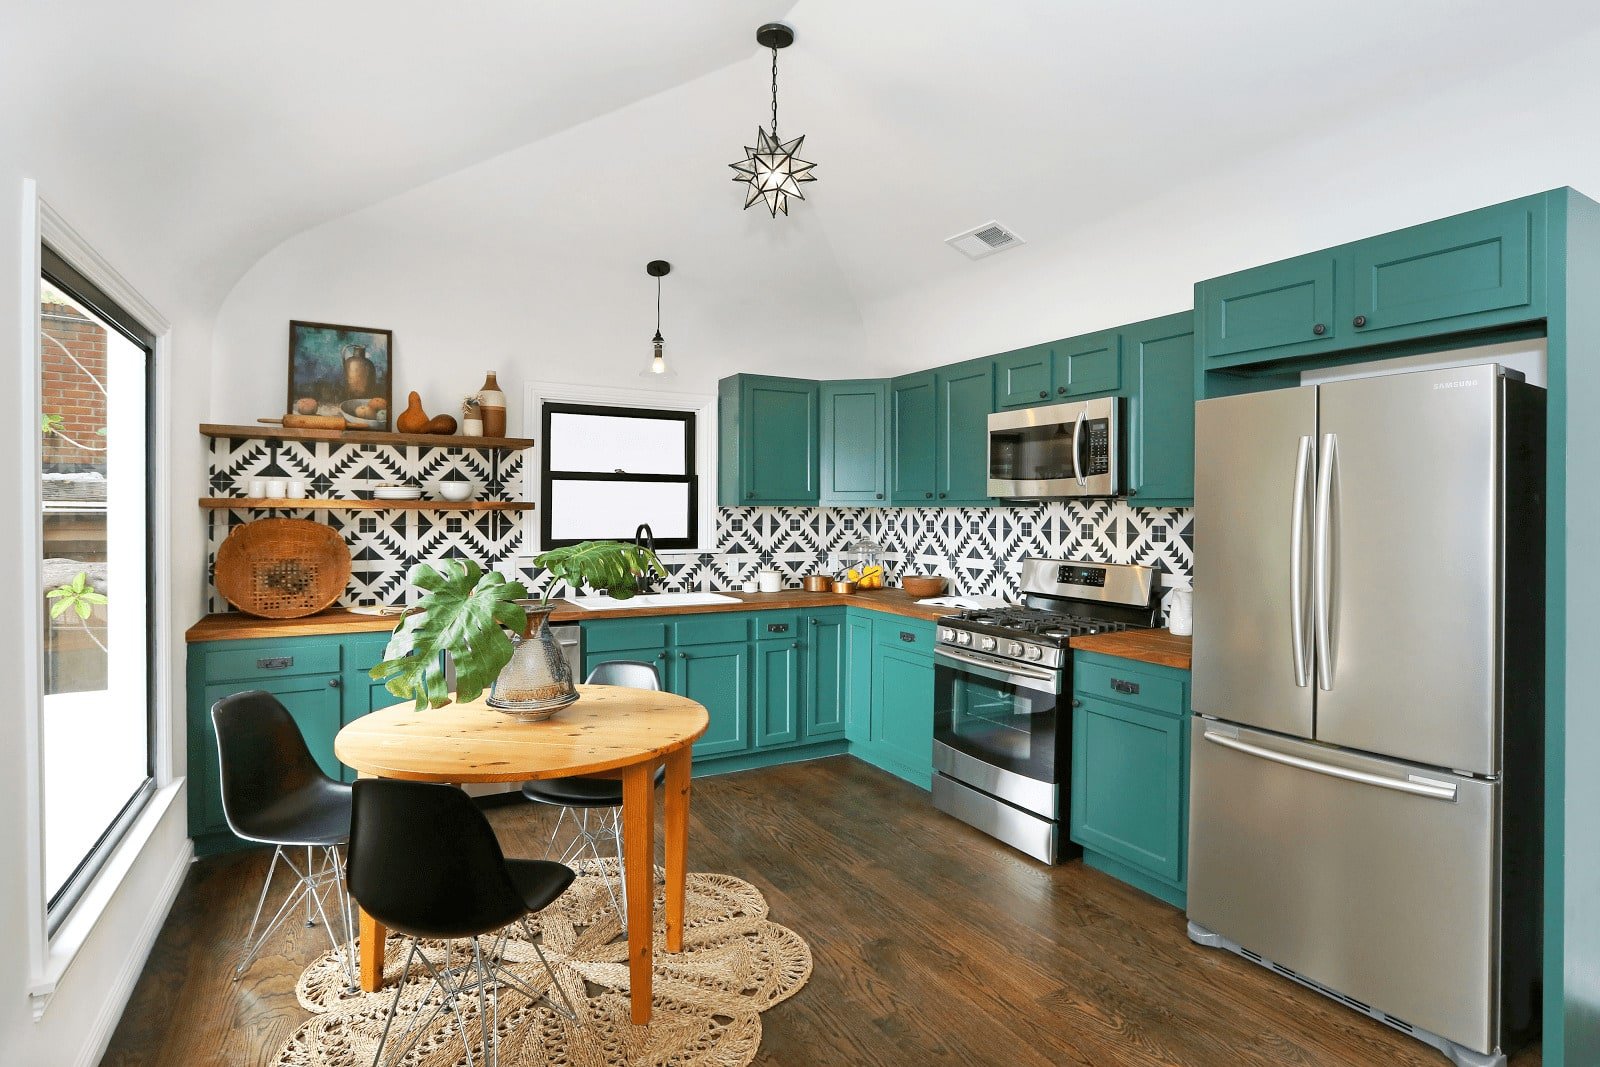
(652, 600)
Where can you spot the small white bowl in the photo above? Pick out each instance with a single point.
(455, 491)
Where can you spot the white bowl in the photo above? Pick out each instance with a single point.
(455, 491)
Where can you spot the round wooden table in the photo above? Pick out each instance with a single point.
(610, 733)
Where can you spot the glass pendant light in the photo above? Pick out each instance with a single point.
(657, 269)
(772, 168)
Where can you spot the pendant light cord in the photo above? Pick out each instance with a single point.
(774, 94)
(658, 303)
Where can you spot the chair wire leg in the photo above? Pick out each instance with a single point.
(310, 867)
(394, 1003)
(261, 902)
(491, 1040)
(299, 888)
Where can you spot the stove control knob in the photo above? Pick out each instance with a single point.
(987, 644)
(946, 634)
(1033, 652)
(1013, 648)
(963, 638)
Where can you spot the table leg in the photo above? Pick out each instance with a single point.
(677, 833)
(371, 952)
(639, 850)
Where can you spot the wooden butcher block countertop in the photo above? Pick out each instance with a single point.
(1148, 646)
(235, 626)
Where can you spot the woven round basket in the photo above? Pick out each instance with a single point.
(282, 568)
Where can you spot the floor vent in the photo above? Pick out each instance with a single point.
(984, 240)
(1398, 1024)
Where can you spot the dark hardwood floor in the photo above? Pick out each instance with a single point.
(932, 945)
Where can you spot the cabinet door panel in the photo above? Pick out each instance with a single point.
(855, 422)
(718, 677)
(1127, 785)
(1267, 307)
(965, 400)
(858, 701)
(1160, 358)
(779, 430)
(314, 704)
(827, 665)
(1089, 365)
(902, 707)
(1457, 266)
(777, 692)
(1023, 377)
(915, 444)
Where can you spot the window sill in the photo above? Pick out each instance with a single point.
(75, 932)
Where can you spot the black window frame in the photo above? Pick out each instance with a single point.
(547, 477)
(58, 271)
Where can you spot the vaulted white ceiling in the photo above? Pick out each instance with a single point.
(545, 130)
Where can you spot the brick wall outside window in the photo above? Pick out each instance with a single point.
(70, 392)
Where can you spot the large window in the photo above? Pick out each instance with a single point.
(95, 426)
(605, 470)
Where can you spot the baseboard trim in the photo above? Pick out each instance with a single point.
(94, 1049)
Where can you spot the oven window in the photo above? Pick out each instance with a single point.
(1009, 724)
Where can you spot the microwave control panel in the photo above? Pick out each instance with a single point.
(1097, 458)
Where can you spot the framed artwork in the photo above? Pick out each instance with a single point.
(345, 371)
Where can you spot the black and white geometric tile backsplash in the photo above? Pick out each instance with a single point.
(979, 549)
(384, 543)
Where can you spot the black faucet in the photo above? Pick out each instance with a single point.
(644, 537)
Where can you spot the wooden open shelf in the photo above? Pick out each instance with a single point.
(367, 437)
(268, 503)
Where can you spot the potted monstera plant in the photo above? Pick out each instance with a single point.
(496, 636)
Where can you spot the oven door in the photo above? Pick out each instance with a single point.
(999, 714)
(1060, 450)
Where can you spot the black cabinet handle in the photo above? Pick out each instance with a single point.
(1043, 393)
(751, 495)
(1130, 688)
(928, 496)
(335, 683)
(795, 645)
(1319, 329)
(274, 663)
(1077, 703)
(683, 655)
(880, 496)
(1061, 390)
(662, 654)
(908, 637)
(1359, 321)
(777, 627)
(943, 495)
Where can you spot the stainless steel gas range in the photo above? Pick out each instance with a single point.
(1002, 727)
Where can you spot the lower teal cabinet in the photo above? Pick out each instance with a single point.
(826, 680)
(717, 676)
(1130, 773)
(899, 722)
(858, 653)
(777, 693)
(323, 683)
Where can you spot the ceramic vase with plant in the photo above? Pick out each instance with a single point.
(496, 637)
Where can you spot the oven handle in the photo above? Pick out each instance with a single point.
(1027, 678)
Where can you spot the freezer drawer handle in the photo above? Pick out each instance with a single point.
(1416, 787)
(274, 663)
(1130, 688)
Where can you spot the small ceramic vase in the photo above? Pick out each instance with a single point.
(493, 402)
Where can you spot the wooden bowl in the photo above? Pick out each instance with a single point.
(923, 585)
(844, 587)
(818, 583)
(282, 568)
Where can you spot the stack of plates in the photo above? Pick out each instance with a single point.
(395, 491)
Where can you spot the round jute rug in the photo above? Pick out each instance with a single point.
(707, 1002)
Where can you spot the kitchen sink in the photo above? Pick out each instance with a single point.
(652, 600)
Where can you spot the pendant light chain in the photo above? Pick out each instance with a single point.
(774, 94)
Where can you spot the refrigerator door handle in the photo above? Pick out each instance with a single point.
(1300, 647)
(1416, 786)
(1077, 436)
(1321, 563)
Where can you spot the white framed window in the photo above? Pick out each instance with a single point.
(611, 459)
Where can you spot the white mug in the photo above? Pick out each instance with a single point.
(296, 489)
(750, 585)
(771, 581)
(277, 488)
(258, 487)
(1179, 609)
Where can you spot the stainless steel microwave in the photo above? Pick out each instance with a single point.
(1058, 450)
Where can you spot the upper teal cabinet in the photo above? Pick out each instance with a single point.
(914, 403)
(1088, 366)
(855, 442)
(769, 441)
(1024, 377)
(1479, 270)
(1159, 356)
(965, 395)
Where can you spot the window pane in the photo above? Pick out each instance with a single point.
(582, 511)
(94, 471)
(610, 443)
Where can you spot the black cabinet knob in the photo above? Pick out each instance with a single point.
(928, 496)
(661, 655)
(751, 495)
(683, 655)
(1077, 703)
(1043, 393)
(335, 683)
(1060, 389)
(1359, 321)
(795, 645)
(880, 496)
(943, 495)
(1319, 329)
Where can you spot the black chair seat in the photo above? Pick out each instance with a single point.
(539, 881)
(316, 814)
(581, 792)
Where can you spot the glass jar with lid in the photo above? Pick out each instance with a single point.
(864, 563)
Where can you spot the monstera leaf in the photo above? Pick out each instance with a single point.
(463, 612)
(612, 567)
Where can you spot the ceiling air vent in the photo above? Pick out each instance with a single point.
(984, 240)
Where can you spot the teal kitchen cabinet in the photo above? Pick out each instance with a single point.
(1024, 377)
(1090, 365)
(858, 652)
(826, 675)
(1130, 771)
(778, 684)
(1249, 314)
(913, 418)
(718, 677)
(1159, 356)
(768, 441)
(855, 442)
(900, 722)
(322, 681)
(965, 398)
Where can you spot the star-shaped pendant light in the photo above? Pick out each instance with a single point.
(772, 168)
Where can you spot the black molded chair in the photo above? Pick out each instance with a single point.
(577, 797)
(274, 793)
(425, 862)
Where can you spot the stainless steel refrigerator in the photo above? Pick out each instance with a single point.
(1366, 752)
